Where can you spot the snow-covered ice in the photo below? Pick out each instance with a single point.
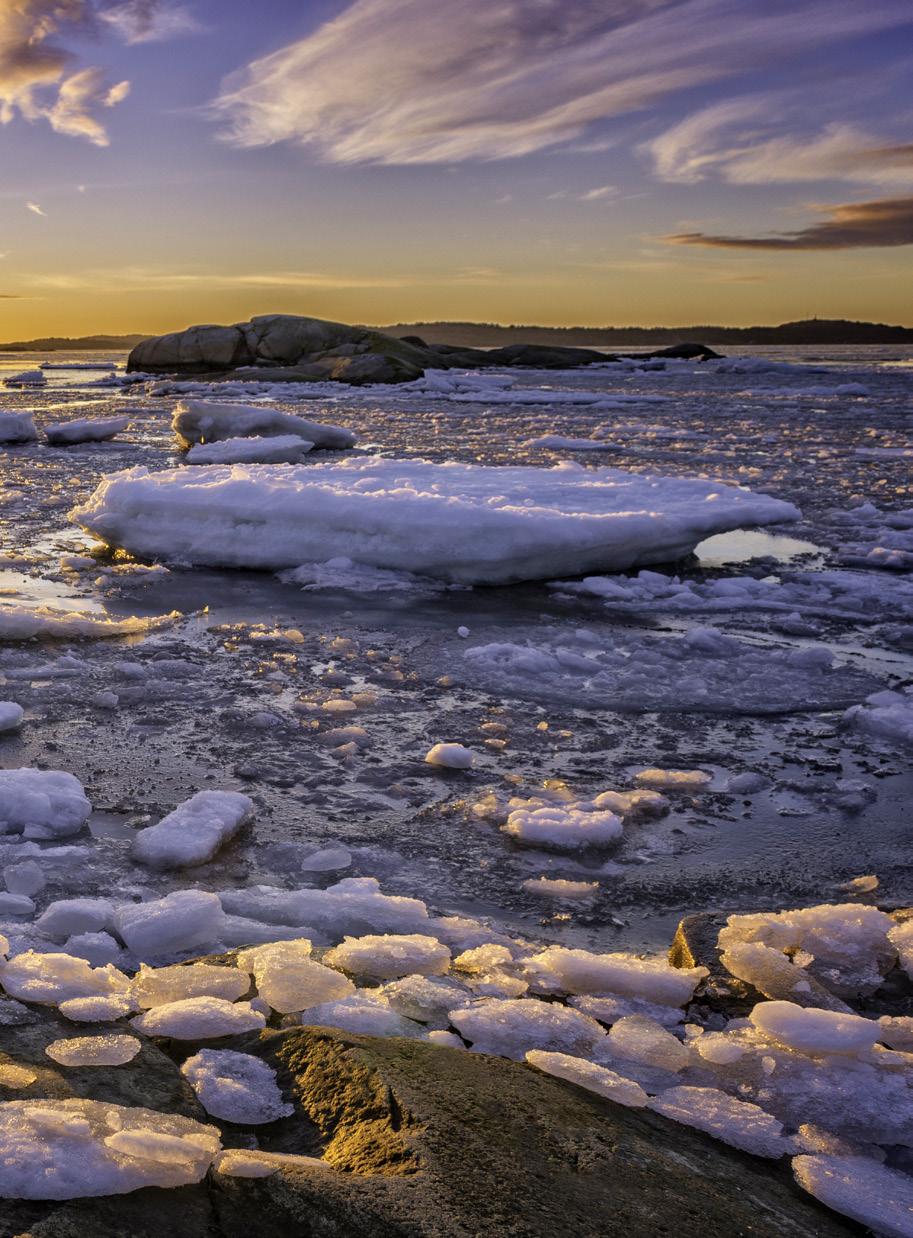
(11, 716)
(388, 956)
(740, 1123)
(591, 1076)
(289, 979)
(181, 921)
(464, 523)
(450, 756)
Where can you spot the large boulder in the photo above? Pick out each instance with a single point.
(283, 347)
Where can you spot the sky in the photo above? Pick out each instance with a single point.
(592, 162)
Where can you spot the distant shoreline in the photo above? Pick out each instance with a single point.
(811, 331)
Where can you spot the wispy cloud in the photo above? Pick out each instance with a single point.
(150, 21)
(736, 141)
(408, 81)
(36, 209)
(40, 78)
(159, 279)
(599, 194)
(852, 225)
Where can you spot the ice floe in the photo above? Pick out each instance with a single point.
(463, 523)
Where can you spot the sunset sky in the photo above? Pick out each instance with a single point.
(550, 161)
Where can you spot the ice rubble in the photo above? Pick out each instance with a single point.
(159, 986)
(739, 1123)
(201, 421)
(389, 956)
(195, 831)
(886, 715)
(259, 449)
(27, 378)
(69, 1149)
(41, 803)
(17, 428)
(180, 921)
(464, 523)
(236, 1087)
(99, 430)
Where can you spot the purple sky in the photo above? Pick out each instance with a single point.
(559, 161)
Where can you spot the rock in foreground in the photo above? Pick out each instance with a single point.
(419, 1141)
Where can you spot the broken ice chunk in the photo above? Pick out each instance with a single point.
(194, 831)
(236, 1087)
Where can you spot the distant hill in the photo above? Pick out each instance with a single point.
(809, 331)
(83, 343)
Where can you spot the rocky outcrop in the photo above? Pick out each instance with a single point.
(422, 1141)
(286, 348)
(282, 347)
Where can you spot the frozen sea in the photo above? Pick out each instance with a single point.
(756, 656)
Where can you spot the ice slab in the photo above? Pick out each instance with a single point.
(203, 421)
(69, 1149)
(460, 522)
(194, 832)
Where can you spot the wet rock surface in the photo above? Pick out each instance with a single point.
(420, 1140)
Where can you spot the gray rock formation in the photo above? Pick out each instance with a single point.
(421, 1141)
(286, 348)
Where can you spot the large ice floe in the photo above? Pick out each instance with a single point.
(461, 522)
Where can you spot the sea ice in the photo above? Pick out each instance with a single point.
(590, 1076)
(102, 1009)
(66, 433)
(464, 523)
(846, 942)
(194, 831)
(160, 986)
(199, 1018)
(450, 756)
(25, 623)
(111, 1050)
(739, 1123)
(361, 1012)
(41, 803)
(653, 980)
(858, 1187)
(236, 1087)
(562, 826)
(815, 1031)
(54, 978)
(509, 1028)
(17, 428)
(241, 1163)
(390, 956)
(11, 716)
(276, 449)
(68, 916)
(201, 421)
(178, 922)
(69, 1149)
(886, 715)
(289, 980)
